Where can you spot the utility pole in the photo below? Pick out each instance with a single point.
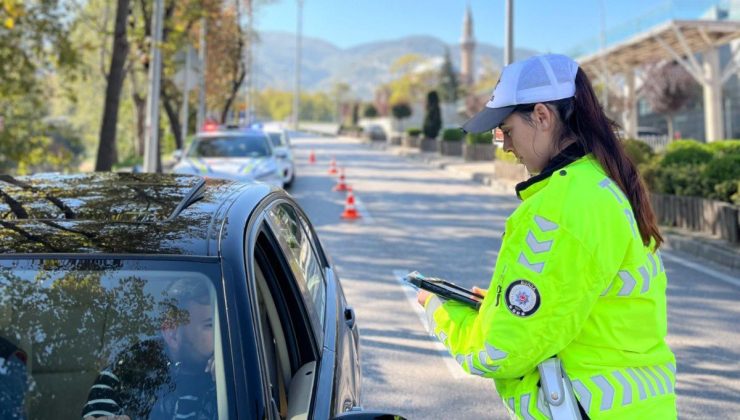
(297, 94)
(248, 64)
(202, 75)
(186, 94)
(604, 67)
(509, 33)
(151, 144)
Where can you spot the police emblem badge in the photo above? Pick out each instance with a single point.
(522, 298)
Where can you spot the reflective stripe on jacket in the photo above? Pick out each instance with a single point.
(572, 279)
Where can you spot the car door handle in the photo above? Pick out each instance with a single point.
(349, 317)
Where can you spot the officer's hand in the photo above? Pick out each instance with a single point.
(478, 290)
(422, 297)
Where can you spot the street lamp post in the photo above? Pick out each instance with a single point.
(509, 33)
(201, 117)
(297, 93)
(151, 145)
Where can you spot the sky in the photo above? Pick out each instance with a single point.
(558, 26)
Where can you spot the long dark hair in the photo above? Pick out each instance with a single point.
(584, 120)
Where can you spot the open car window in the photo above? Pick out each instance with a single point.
(108, 337)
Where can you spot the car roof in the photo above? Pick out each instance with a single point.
(119, 213)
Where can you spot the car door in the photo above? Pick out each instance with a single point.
(296, 313)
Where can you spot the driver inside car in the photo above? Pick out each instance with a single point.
(167, 377)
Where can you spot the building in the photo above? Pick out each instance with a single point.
(467, 50)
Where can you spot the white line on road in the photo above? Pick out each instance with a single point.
(716, 274)
(452, 366)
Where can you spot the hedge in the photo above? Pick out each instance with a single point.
(453, 134)
(481, 138)
(690, 168)
(413, 131)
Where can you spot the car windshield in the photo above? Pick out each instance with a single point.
(277, 139)
(105, 338)
(231, 146)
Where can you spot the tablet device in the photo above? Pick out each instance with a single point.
(445, 289)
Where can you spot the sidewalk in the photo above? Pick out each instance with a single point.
(711, 250)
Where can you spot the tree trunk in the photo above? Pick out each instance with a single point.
(173, 117)
(232, 96)
(669, 120)
(107, 154)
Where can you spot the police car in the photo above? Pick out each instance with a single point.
(281, 143)
(240, 154)
(169, 296)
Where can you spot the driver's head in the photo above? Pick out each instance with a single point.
(188, 322)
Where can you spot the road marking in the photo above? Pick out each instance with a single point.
(455, 370)
(716, 274)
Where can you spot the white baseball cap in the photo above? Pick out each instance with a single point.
(541, 78)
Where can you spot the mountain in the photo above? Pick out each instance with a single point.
(363, 67)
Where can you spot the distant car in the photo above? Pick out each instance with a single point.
(237, 154)
(281, 145)
(374, 132)
(116, 289)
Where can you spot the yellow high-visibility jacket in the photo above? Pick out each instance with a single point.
(573, 280)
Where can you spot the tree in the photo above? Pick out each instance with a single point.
(370, 111)
(355, 114)
(668, 87)
(107, 153)
(34, 45)
(448, 84)
(413, 78)
(433, 117)
(400, 111)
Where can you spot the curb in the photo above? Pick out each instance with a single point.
(707, 249)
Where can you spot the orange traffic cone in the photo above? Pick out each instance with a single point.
(341, 185)
(311, 158)
(350, 212)
(333, 166)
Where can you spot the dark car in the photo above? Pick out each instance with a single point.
(135, 294)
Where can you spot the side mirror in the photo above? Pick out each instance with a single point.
(281, 154)
(367, 415)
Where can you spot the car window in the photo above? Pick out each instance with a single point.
(301, 256)
(231, 146)
(103, 338)
(276, 138)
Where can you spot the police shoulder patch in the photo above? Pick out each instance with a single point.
(522, 298)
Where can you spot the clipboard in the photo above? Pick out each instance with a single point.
(445, 289)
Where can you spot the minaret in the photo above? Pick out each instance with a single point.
(467, 44)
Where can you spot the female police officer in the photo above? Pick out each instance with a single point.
(578, 275)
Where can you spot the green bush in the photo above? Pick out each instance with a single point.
(725, 147)
(686, 152)
(453, 134)
(481, 138)
(370, 111)
(413, 131)
(721, 176)
(639, 151)
(690, 168)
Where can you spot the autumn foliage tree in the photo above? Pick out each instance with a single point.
(668, 87)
